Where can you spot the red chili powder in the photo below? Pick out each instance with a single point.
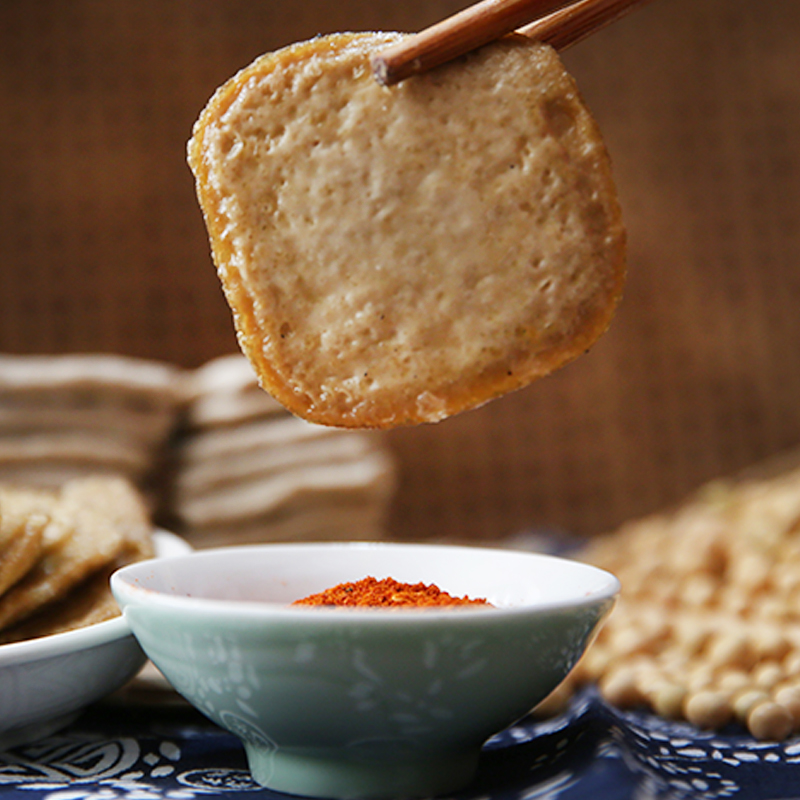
(385, 593)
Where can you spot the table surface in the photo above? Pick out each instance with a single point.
(136, 750)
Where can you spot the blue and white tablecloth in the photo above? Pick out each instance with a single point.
(592, 752)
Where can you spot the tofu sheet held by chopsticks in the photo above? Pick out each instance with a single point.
(398, 255)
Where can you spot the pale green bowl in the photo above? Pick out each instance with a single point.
(356, 703)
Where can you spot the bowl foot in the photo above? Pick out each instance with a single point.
(343, 778)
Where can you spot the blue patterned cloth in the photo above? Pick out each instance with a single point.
(591, 752)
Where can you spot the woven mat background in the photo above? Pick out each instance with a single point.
(102, 246)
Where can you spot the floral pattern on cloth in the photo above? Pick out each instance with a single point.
(591, 752)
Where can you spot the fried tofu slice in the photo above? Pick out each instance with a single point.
(394, 256)
(24, 515)
(94, 522)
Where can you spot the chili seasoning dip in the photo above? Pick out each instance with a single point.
(386, 593)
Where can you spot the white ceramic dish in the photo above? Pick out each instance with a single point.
(359, 702)
(46, 682)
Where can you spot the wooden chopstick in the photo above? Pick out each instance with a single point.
(560, 23)
(574, 23)
(461, 33)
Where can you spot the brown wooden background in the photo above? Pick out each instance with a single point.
(102, 246)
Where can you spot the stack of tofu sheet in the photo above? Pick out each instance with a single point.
(65, 417)
(248, 471)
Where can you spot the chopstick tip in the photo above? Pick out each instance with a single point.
(380, 69)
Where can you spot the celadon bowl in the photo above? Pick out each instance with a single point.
(362, 702)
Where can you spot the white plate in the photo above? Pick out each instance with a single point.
(46, 682)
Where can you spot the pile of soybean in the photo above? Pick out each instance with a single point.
(707, 628)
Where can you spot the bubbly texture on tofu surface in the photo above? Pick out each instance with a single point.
(397, 255)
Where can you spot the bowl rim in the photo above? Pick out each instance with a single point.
(90, 636)
(58, 644)
(126, 589)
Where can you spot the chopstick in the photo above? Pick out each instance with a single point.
(560, 23)
(574, 23)
(466, 30)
